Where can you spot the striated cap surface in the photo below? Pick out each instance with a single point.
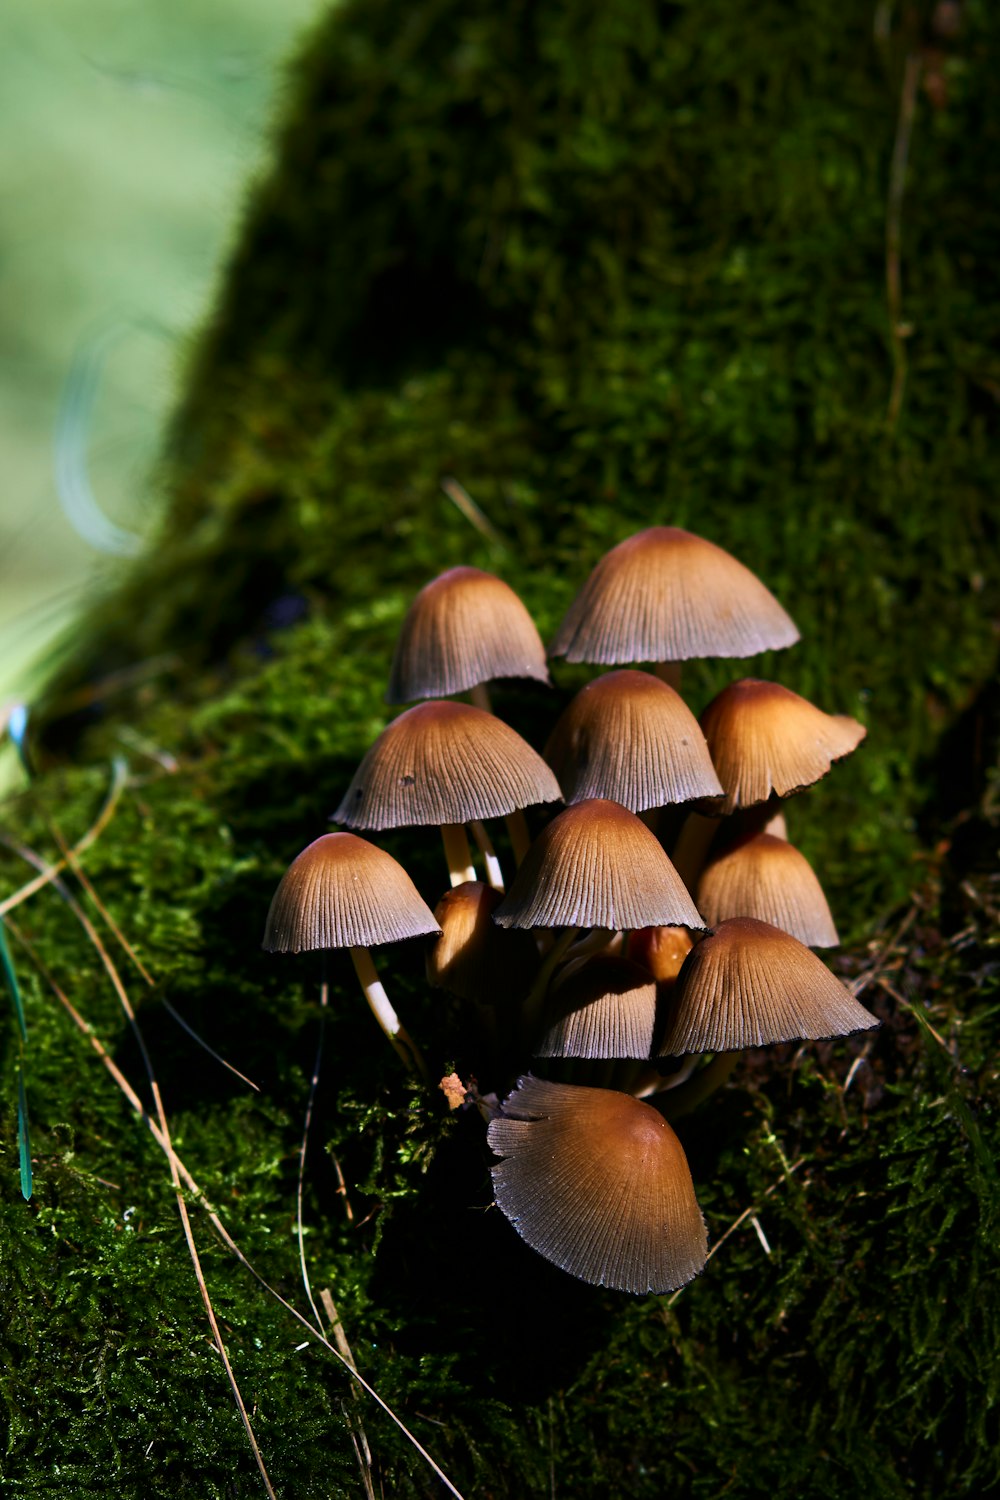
(748, 985)
(768, 878)
(667, 595)
(598, 1183)
(764, 738)
(463, 628)
(445, 762)
(605, 1008)
(597, 865)
(342, 892)
(632, 738)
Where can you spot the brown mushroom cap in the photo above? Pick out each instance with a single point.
(599, 1184)
(766, 877)
(661, 950)
(463, 628)
(666, 595)
(748, 985)
(597, 865)
(764, 738)
(605, 1008)
(630, 737)
(474, 957)
(445, 762)
(342, 892)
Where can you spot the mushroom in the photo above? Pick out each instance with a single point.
(447, 764)
(598, 1183)
(766, 877)
(606, 1008)
(343, 892)
(630, 737)
(464, 629)
(666, 596)
(748, 985)
(473, 957)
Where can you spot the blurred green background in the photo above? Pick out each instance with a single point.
(128, 132)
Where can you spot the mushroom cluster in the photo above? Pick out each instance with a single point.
(604, 960)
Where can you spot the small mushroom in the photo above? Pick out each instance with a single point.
(342, 892)
(606, 1008)
(666, 596)
(748, 985)
(598, 1183)
(464, 629)
(766, 877)
(630, 737)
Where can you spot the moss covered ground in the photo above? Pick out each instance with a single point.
(606, 266)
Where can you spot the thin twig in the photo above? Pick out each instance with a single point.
(460, 497)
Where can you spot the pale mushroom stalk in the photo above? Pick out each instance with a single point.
(520, 838)
(679, 1099)
(691, 850)
(381, 1009)
(533, 1000)
(479, 697)
(494, 874)
(457, 853)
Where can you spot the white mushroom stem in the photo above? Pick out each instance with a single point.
(692, 846)
(384, 1014)
(669, 672)
(479, 697)
(520, 838)
(533, 1001)
(700, 1086)
(457, 853)
(494, 874)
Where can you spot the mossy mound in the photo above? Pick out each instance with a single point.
(608, 267)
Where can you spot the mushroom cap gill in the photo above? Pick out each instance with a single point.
(630, 737)
(445, 762)
(597, 865)
(463, 628)
(598, 1183)
(667, 595)
(342, 892)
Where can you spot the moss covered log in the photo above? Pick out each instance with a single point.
(606, 267)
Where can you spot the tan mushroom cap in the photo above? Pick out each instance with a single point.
(661, 950)
(768, 878)
(597, 865)
(342, 892)
(748, 985)
(630, 737)
(463, 628)
(474, 957)
(764, 738)
(445, 762)
(605, 1008)
(598, 1183)
(666, 595)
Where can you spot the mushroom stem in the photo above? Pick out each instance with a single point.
(669, 672)
(692, 846)
(682, 1099)
(520, 838)
(479, 697)
(494, 874)
(457, 853)
(533, 1001)
(384, 1014)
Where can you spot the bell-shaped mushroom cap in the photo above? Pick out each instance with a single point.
(342, 892)
(748, 985)
(474, 957)
(597, 865)
(599, 1184)
(665, 595)
(766, 877)
(463, 628)
(445, 763)
(764, 738)
(605, 1008)
(661, 950)
(632, 738)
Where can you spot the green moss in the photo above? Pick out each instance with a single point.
(608, 267)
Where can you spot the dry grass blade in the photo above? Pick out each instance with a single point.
(460, 497)
(217, 1224)
(48, 873)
